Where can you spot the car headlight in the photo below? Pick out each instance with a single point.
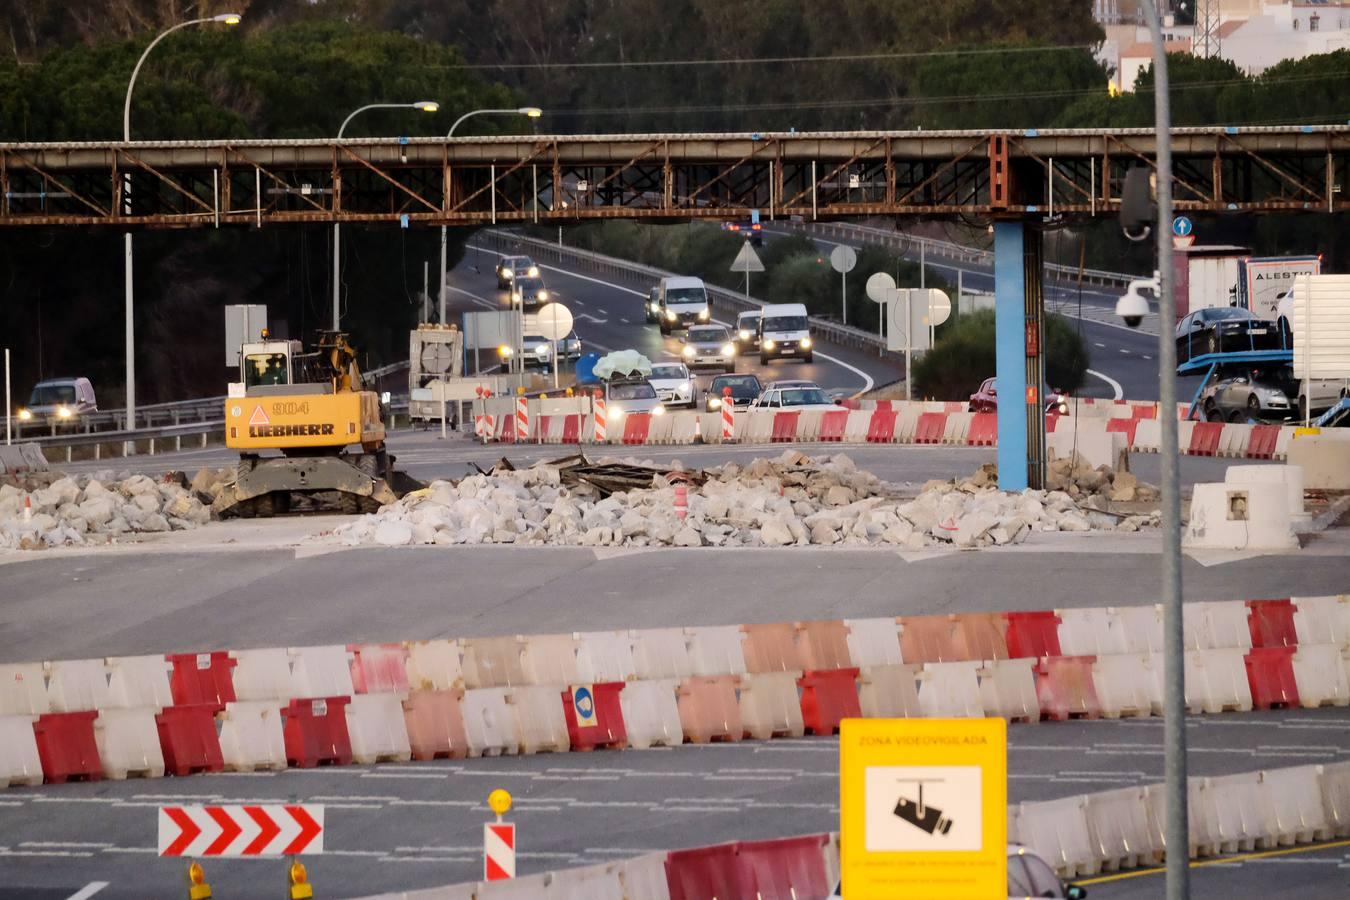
(805, 342)
(542, 295)
(614, 412)
(744, 334)
(728, 350)
(688, 351)
(1063, 408)
(508, 274)
(25, 415)
(715, 402)
(63, 412)
(542, 350)
(658, 410)
(683, 390)
(670, 314)
(534, 272)
(703, 315)
(769, 344)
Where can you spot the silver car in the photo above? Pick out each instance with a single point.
(630, 395)
(1252, 395)
(674, 384)
(709, 346)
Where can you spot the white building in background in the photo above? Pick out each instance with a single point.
(1253, 34)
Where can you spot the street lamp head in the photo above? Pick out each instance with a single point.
(532, 112)
(228, 18)
(427, 105)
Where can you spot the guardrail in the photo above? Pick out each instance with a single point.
(118, 442)
(729, 301)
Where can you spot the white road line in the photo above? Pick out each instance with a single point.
(1095, 344)
(1122, 350)
(1115, 385)
(88, 890)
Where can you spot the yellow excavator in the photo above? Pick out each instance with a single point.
(312, 407)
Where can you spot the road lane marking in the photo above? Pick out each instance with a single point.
(1096, 344)
(88, 890)
(1220, 861)
(1114, 385)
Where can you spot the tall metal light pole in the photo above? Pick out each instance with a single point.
(532, 112)
(424, 106)
(1174, 698)
(228, 19)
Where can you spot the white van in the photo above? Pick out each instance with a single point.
(784, 331)
(683, 302)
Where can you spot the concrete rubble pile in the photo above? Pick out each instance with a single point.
(793, 500)
(100, 508)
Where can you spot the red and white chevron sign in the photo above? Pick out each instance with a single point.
(272, 830)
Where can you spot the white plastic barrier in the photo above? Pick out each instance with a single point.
(808, 425)
(139, 681)
(1335, 784)
(1090, 632)
(710, 426)
(1008, 689)
(1282, 441)
(128, 743)
(889, 692)
(604, 656)
(644, 877)
(1319, 672)
(957, 427)
(1233, 440)
(716, 650)
(1185, 429)
(600, 882)
(661, 653)
(321, 671)
(448, 892)
(1231, 806)
(23, 690)
(950, 690)
(651, 714)
(1296, 812)
(659, 429)
(1058, 831)
(435, 665)
(1147, 436)
(685, 427)
(378, 728)
(1216, 680)
(1127, 684)
(1213, 625)
(874, 642)
(76, 684)
(906, 425)
(527, 887)
(263, 675)
(549, 659)
(489, 722)
(251, 736)
(1322, 620)
(19, 761)
(1119, 831)
(758, 426)
(540, 724)
(1142, 627)
(770, 706)
(855, 429)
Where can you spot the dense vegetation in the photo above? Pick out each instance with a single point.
(964, 356)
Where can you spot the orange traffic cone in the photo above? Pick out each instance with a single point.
(27, 507)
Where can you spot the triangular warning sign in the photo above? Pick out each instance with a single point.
(259, 417)
(747, 260)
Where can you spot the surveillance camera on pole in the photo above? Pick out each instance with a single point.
(1138, 203)
(1133, 306)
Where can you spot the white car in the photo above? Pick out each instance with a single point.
(795, 399)
(1028, 876)
(709, 346)
(674, 384)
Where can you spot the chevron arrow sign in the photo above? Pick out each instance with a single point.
(270, 830)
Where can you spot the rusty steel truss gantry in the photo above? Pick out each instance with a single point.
(474, 181)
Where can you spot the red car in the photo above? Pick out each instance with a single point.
(986, 399)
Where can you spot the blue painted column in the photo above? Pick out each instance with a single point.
(1010, 345)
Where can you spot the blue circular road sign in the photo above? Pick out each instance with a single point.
(1181, 226)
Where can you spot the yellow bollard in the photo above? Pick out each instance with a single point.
(301, 889)
(198, 889)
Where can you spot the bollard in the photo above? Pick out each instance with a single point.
(728, 416)
(599, 417)
(301, 889)
(499, 841)
(681, 501)
(198, 888)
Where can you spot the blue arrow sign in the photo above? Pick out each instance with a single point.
(1182, 227)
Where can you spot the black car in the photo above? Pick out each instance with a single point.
(1224, 329)
(745, 389)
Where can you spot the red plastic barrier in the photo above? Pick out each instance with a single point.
(1051, 420)
(1124, 426)
(886, 405)
(572, 430)
(930, 428)
(66, 746)
(1270, 673)
(1143, 411)
(983, 430)
(832, 425)
(1033, 634)
(187, 736)
(785, 869)
(1065, 690)
(703, 873)
(635, 428)
(784, 427)
(608, 729)
(1262, 442)
(540, 428)
(316, 732)
(881, 427)
(828, 696)
(379, 668)
(1205, 439)
(952, 406)
(202, 678)
(1272, 623)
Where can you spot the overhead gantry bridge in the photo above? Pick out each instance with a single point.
(1008, 174)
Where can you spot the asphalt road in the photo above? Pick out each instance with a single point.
(418, 825)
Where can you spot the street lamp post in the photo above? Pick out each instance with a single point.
(424, 106)
(228, 19)
(532, 112)
(1177, 836)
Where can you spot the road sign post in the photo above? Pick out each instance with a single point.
(499, 841)
(923, 802)
(747, 261)
(842, 260)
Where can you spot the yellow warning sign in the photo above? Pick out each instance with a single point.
(259, 417)
(923, 808)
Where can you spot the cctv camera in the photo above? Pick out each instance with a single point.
(1132, 307)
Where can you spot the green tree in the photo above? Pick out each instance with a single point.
(964, 356)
